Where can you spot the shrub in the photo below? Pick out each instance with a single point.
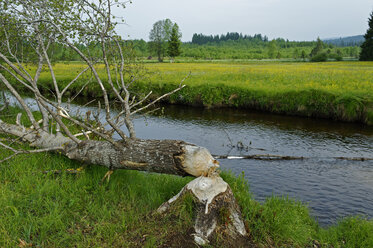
(336, 56)
(321, 57)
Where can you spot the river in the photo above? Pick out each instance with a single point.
(333, 188)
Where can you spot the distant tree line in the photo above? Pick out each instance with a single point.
(239, 49)
(238, 39)
(346, 41)
(202, 39)
(247, 47)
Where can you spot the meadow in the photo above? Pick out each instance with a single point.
(58, 210)
(41, 208)
(336, 90)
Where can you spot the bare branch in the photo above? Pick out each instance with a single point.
(99, 133)
(58, 119)
(16, 152)
(158, 99)
(7, 147)
(78, 93)
(74, 80)
(9, 157)
(14, 56)
(125, 101)
(34, 84)
(18, 119)
(141, 101)
(83, 133)
(6, 101)
(97, 77)
(181, 85)
(20, 100)
(15, 77)
(15, 68)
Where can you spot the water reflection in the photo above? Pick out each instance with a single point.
(333, 188)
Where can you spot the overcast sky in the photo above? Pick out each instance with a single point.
(289, 19)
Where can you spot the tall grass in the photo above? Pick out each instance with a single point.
(335, 90)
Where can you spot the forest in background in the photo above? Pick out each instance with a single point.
(235, 46)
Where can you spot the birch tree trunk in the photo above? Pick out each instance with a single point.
(160, 156)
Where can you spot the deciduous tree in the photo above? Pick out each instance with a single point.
(272, 48)
(79, 24)
(159, 35)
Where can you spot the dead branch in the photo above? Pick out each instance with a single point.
(259, 157)
(282, 157)
(17, 152)
(77, 26)
(354, 158)
(5, 102)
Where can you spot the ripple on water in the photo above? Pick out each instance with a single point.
(332, 190)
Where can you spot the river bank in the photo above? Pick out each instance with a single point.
(341, 91)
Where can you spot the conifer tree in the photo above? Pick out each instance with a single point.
(174, 42)
(367, 47)
(318, 48)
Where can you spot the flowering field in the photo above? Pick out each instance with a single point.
(336, 90)
(336, 77)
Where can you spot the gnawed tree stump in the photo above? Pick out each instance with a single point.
(215, 206)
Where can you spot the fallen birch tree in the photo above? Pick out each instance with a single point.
(78, 25)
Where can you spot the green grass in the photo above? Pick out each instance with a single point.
(65, 210)
(48, 210)
(68, 210)
(335, 90)
(76, 210)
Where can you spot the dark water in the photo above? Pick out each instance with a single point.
(333, 188)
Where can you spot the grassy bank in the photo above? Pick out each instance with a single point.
(334, 90)
(64, 210)
(76, 210)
